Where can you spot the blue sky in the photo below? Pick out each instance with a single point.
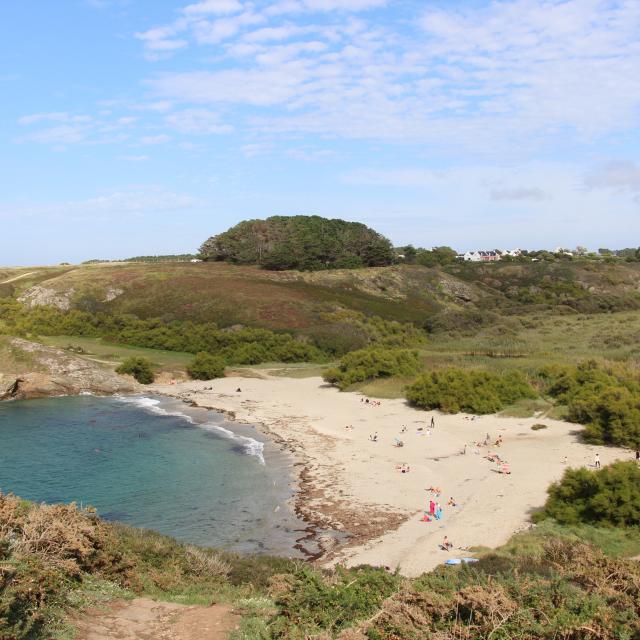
(143, 126)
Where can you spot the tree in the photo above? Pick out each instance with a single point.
(206, 366)
(436, 256)
(307, 243)
(140, 368)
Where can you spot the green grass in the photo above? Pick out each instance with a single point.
(614, 542)
(96, 348)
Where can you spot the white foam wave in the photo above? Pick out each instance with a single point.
(250, 446)
(153, 405)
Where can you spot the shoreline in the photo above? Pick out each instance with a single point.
(323, 528)
(350, 485)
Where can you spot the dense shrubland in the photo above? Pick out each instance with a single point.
(55, 558)
(345, 331)
(372, 363)
(544, 584)
(238, 346)
(306, 243)
(605, 399)
(454, 390)
(341, 331)
(606, 497)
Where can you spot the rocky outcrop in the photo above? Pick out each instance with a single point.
(38, 296)
(60, 374)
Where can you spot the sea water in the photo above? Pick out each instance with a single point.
(153, 463)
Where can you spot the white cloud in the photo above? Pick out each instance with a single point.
(157, 139)
(501, 77)
(197, 121)
(213, 6)
(140, 201)
(523, 194)
(622, 176)
(53, 117)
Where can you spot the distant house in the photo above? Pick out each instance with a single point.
(481, 256)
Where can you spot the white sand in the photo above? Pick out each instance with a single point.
(353, 482)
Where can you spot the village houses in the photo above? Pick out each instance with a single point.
(488, 256)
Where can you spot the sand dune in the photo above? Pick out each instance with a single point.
(352, 483)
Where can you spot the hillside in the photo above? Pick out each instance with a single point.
(440, 298)
(64, 569)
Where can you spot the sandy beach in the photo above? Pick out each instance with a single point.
(350, 483)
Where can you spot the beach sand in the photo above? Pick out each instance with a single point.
(349, 483)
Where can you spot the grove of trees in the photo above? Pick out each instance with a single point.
(307, 243)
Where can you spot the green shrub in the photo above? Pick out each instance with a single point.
(538, 427)
(605, 399)
(367, 364)
(314, 604)
(206, 367)
(609, 496)
(455, 390)
(139, 368)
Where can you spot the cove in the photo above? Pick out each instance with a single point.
(152, 463)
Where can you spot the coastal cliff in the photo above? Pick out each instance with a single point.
(32, 370)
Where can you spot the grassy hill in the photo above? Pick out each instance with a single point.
(441, 298)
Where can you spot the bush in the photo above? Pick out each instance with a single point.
(609, 496)
(367, 364)
(455, 390)
(206, 367)
(538, 427)
(605, 400)
(139, 368)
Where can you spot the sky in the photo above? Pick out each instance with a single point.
(136, 127)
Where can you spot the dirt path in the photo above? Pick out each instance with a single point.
(22, 275)
(144, 619)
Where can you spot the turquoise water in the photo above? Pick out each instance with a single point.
(152, 463)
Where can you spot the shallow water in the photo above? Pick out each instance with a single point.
(152, 463)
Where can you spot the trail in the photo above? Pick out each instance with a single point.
(22, 275)
(145, 619)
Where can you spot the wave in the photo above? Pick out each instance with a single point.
(250, 446)
(153, 405)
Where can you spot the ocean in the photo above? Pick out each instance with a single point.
(155, 463)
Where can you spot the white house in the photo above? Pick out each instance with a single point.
(481, 256)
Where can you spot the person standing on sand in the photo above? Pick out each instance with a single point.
(432, 507)
(597, 461)
(638, 455)
(433, 422)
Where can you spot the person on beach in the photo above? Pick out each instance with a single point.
(374, 437)
(438, 511)
(597, 461)
(433, 422)
(498, 442)
(487, 439)
(565, 460)
(446, 544)
(638, 455)
(451, 502)
(432, 507)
